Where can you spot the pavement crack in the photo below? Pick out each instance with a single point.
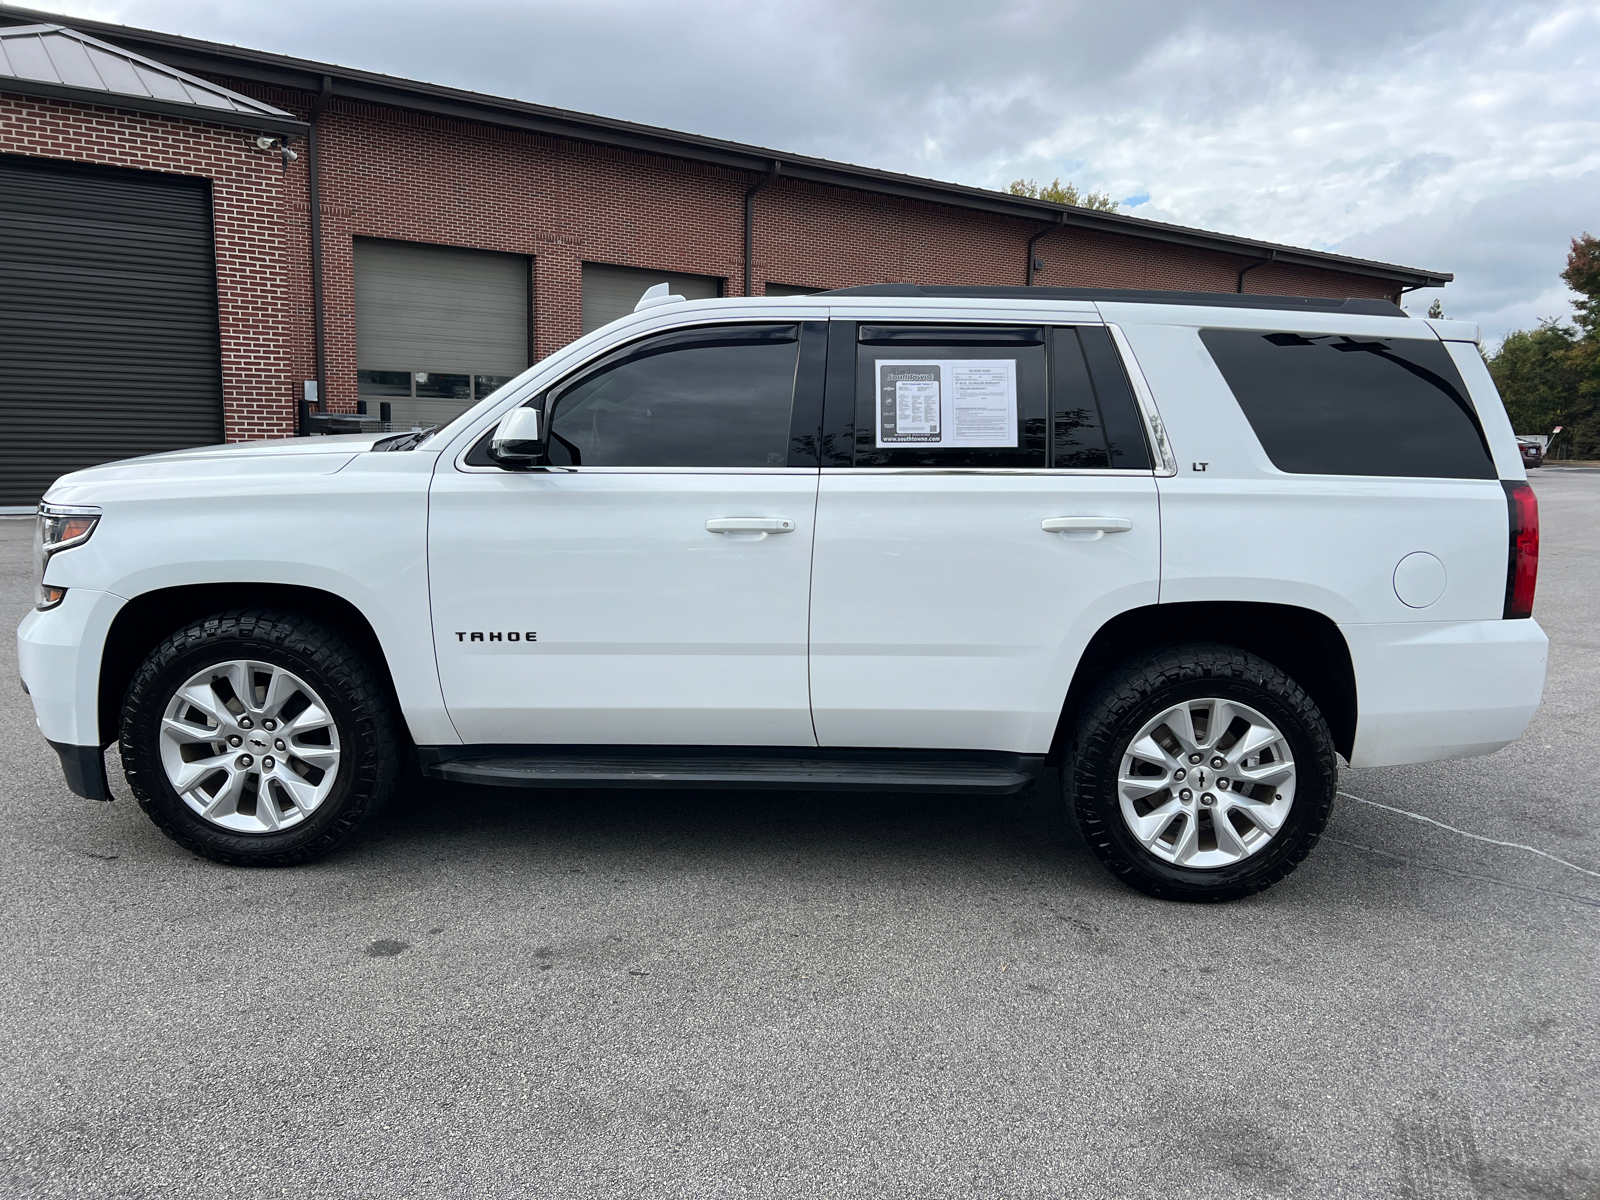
(1477, 837)
(1422, 866)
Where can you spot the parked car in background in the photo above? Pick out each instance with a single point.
(1532, 452)
(1190, 549)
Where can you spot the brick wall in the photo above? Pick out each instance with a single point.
(248, 191)
(391, 173)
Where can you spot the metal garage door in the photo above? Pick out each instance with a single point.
(437, 328)
(611, 292)
(108, 319)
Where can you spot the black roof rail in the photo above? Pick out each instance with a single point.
(1362, 307)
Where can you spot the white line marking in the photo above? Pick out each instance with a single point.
(1477, 837)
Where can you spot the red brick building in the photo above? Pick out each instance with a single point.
(411, 214)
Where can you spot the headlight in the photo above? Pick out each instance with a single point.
(58, 527)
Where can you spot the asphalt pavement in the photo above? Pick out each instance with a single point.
(618, 994)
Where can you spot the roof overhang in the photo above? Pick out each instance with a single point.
(257, 66)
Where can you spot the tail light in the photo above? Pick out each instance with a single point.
(1522, 562)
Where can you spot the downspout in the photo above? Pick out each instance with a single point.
(1272, 256)
(750, 219)
(314, 176)
(1061, 219)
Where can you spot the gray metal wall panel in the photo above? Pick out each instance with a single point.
(611, 292)
(440, 308)
(108, 319)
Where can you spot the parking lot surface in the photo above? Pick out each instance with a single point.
(500, 994)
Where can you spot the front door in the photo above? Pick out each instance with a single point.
(655, 591)
(993, 506)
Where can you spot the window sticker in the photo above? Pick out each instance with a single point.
(948, 403)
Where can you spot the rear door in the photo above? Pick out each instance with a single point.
(987, 502)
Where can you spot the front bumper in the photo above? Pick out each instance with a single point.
(58, 655)
(1432, 690)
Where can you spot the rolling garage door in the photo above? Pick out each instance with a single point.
(611, 292)
(437, 328)
(108, 319)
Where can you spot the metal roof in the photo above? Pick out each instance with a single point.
(328, 80)
(53, 60)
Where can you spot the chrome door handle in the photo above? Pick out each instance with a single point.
(749, 525)
(1098, 526)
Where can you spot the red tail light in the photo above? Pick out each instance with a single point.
(1522, 563)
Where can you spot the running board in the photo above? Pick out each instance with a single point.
(903, 773)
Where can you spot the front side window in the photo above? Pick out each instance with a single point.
(710, 397)
(1335, 404)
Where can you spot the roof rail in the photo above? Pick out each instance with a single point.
(1363, 307)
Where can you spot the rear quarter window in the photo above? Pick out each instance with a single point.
(1333, 404)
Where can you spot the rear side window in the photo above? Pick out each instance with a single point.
(1340, 405)
(950, 396)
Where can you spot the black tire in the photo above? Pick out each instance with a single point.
(355, 697)
(1135, 693)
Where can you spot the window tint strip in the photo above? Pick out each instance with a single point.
(1124, 427)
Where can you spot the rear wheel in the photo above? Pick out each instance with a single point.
(1201, 772)
(258, 738)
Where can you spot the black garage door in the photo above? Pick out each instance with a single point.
(108, 319)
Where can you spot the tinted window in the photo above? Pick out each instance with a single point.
(1125, 439)
(1340, 405)
(1077, 435)
(698, 398)
(950, 396)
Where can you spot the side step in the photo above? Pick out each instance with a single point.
(997, 774)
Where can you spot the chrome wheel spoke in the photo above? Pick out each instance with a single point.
(188, 732)
(1181, 815)
(302, 792)
(226, 802)
(1147, 749)
(197, 771)
(314, 716)
(281, 688)
(197, 693)
(1151, 826)
(1256, 739)
(322, 757)
(1188, 840)
(237, 727)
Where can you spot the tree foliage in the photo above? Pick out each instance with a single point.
(1550, 376)
(1058, 193)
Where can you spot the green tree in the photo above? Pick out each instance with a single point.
(1436, 309)
(1535, 374)
(1058, 193)
(1550, 376)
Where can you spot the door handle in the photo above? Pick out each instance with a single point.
(1096, 527)
(761, 525)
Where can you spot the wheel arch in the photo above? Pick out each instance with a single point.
(1305, 644)
(147, 618)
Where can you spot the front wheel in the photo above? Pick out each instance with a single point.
(258, 738)
(1201, 772)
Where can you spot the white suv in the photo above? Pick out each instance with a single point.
(1191, 548)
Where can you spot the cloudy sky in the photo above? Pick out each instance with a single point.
(1462, 137)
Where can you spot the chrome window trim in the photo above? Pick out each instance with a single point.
(1111, 472)
(469, 469)
(1147, 402)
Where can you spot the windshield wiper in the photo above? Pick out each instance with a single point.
(406, 441)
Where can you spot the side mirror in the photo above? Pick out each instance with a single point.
(519, 439)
